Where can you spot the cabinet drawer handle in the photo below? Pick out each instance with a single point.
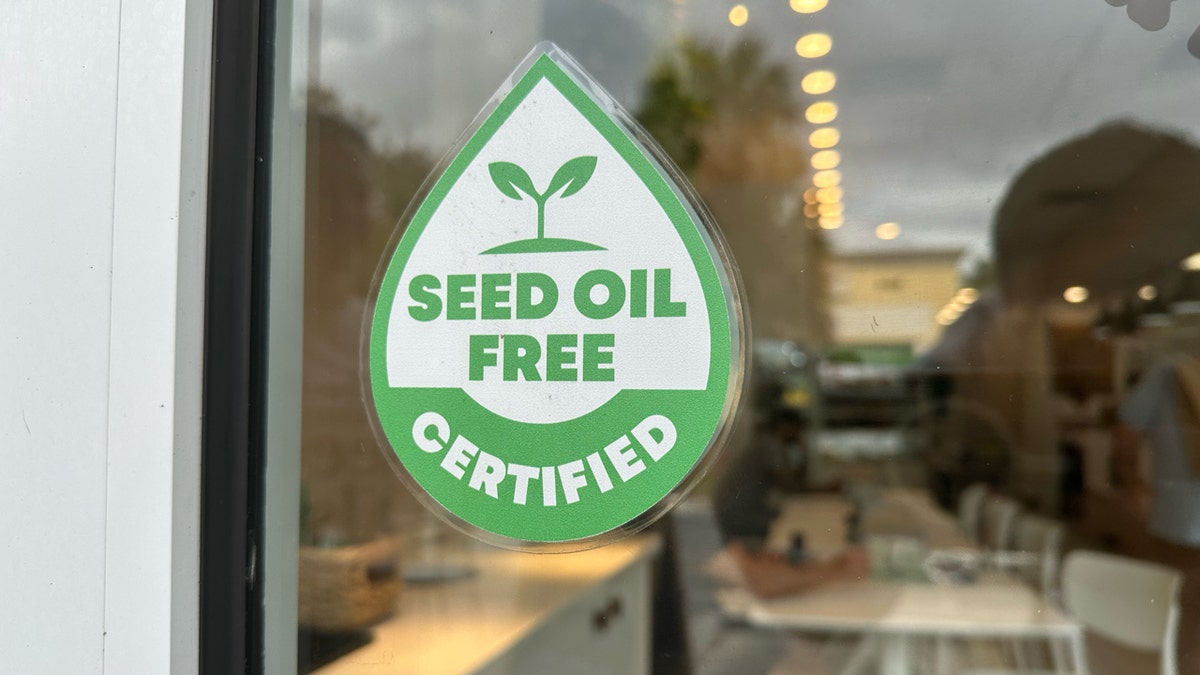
(604, 616)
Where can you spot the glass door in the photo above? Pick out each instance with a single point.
(968, 239)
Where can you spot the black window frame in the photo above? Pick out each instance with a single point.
(235, 338)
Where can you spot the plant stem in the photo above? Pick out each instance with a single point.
(541, 204)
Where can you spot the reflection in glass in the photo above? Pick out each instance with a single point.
(834, 209)
(822, 112)
(814, 45)
(818, 82)
(828, 178)
(831, 221)
(887, 231)
(738, 15)
(808, 6)
(1075, 294)
(978, 361)
(829, 195)
(824, 138)
(826, 159)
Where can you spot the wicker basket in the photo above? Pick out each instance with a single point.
(349, 587)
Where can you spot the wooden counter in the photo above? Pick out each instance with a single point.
(578, 612)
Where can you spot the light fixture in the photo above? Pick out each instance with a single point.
(1147, 292)
(827, 178)
(818, 82)
(826, 159)
(831, 209)
(947, 315)
(808, 6)
(824, 138)
(738, 15)
(829, 195)
(967, 295)
(1075, 294)
(831, 222)
(887, 231)
(812, 210)
(810, 196)
(814, 45)
(821, 112)
(1192, 262)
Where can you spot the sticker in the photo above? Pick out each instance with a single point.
(556, 340)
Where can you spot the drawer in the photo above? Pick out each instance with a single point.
(604, 631)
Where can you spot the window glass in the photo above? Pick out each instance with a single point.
(969, 236)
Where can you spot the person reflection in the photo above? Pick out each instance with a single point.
(744, 505)
(1162, 414)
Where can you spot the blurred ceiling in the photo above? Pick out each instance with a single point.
(1109, 211)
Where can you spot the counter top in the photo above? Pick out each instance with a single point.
(461, 626)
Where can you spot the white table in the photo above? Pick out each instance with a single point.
(892, 614)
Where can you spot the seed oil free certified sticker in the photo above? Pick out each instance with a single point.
(555, 344)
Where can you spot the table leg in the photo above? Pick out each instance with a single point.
(894, 655)
(1079, 654)
(943, 659)
(1056, 652)
(1026, 654)
(866, 651)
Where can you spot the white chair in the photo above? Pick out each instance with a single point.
(970, 509)
(999, 515)
(1044, 537)
(1129, 602)
(1036, 550)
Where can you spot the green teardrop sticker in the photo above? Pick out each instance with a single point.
(555, 345)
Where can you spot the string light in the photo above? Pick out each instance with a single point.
(818, 82)
(830, 222)
(829, 195)
(826, 159)
(887, 231)
(821, 112)
(814, 45)
(1075, 294)
(825, 137)
(827, 178)
(739, 15)
(808, 6)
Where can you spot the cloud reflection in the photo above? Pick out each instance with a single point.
(938, 104)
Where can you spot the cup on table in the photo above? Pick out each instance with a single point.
(896, 556)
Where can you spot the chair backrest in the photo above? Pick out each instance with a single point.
(970, 510)
(1130, 602)
(999, 515)
(1043, 536)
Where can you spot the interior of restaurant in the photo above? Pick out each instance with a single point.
(970, 436)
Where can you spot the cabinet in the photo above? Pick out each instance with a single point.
(606, 630)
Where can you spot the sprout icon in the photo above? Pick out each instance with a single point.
(570, 178)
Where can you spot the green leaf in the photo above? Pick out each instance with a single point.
(574, 175)
(509, 178)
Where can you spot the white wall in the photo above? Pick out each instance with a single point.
(103, 133)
